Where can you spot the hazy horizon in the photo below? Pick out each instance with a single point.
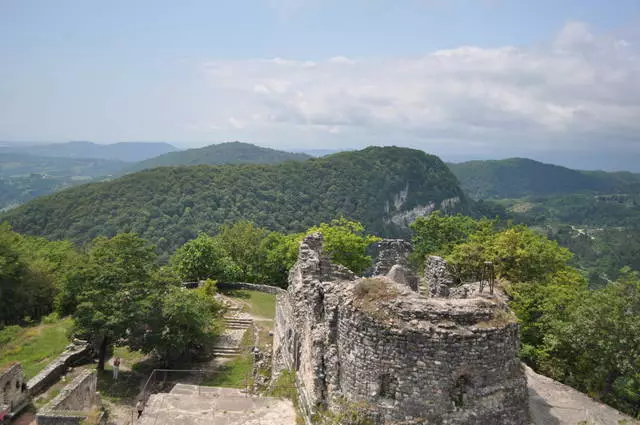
(461, 78)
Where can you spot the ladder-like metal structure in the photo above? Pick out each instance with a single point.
(488, 276)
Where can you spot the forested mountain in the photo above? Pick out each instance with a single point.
(223, 153)
(125, 151)
(384, 188)
(519, 177)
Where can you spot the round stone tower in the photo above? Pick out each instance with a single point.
(408, 358)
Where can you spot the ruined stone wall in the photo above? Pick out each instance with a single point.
(409, 357)
(440, 375)
(75, 354)
(13, 391)
(393, 260)
(389, 253)
(75, 403)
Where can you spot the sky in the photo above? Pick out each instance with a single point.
(553, 79)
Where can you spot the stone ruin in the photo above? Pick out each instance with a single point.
(393, 262)
(13, 389)
(78, 403)
(409, 358)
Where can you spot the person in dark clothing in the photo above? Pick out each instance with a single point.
(140, 407)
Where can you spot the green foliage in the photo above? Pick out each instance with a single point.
(34, 346)
(281, 254)
(118, 288)
(124, 298)
(437, 234)
(346, 243)
(203, 258)
(248, 253)
(31, 271)
(598, 347)
(519, 254)
(181, 320)
(540, 307)
(243, 243)
(170, 206)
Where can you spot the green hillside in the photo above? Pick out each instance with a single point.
(223, 153)
(519, 177)
(381, 187)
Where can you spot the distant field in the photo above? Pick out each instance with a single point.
(34, 346)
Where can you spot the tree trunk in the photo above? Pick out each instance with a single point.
(608, 383)
(102, 353)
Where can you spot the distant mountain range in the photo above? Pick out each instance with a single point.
(126, 152)
(223, 153)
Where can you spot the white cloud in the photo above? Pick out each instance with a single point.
(578, 90)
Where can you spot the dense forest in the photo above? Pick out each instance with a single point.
(384, 188)
(29, 172)
(223, 153)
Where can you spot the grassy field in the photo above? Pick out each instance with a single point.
(34, 346)
(237, 372)
(259, 303)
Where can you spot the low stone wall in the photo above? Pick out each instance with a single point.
(251, 287)
(75, 403)
(75, 354)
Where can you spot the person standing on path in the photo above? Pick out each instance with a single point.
(140, 407)
(116, 368)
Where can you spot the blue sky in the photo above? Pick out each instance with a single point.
(448, 76)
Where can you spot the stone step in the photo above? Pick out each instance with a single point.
(227, 349)
(237, 326)
(224, 354)
(237, 319)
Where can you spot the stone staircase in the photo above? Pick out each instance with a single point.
(236, 324)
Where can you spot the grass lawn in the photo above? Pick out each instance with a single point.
(235, 374)
(260, 303)
(129, 359)
(34, 346)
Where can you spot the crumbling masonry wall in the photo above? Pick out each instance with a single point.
(411, 358)
(74, 404)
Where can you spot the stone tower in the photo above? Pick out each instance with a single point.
(409, 358)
